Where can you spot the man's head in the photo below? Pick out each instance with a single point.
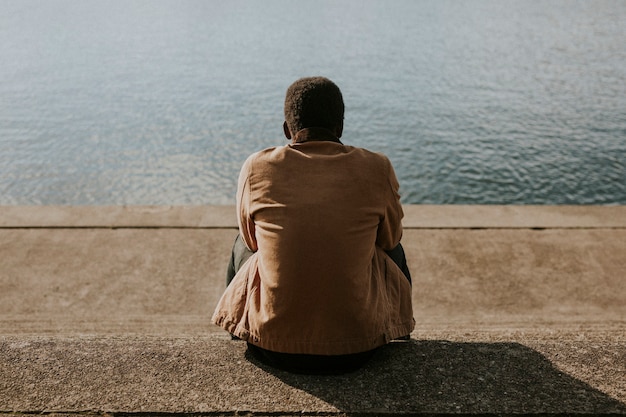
(313, 102)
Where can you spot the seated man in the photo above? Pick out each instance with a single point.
(320, 279)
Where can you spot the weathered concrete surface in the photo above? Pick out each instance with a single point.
(118, 216)
(417, 216)
(167, 281)
(111, 280)
(111, 318)
(461, 216)
(211, 374)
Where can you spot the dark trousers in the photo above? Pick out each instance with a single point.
(301, 363)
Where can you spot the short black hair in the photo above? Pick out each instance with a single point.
(313, 102)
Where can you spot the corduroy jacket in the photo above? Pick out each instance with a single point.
(318, 215)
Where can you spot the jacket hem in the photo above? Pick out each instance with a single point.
(340, 347)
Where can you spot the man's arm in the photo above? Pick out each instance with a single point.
(244, 218)
(390, 227)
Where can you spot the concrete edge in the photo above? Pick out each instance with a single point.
(213, 216)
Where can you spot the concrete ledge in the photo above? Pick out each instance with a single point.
(117, 217)
(105, 311)
(416, 216)
(532, 217)
(211, 376)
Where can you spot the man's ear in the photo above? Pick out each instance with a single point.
(286, 130)
(339, 129)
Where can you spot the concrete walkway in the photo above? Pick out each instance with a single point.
(519, 309)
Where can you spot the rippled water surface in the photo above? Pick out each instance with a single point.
(159, 102)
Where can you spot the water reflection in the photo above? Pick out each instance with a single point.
(159, 103)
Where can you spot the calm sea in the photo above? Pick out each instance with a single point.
(159, 102)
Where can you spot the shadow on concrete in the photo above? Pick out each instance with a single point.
(441, 377)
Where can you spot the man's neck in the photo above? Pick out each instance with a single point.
(315, 134)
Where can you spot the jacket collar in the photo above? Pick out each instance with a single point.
(315, 134)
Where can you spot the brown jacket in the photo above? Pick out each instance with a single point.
(319, 216)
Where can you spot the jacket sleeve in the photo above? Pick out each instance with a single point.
(244, 216)
(390, 226)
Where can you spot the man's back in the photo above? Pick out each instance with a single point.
(319, 208)
(319, 216)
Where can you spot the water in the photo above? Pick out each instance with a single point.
(159, 102)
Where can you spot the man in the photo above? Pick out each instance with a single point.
(320, 279)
